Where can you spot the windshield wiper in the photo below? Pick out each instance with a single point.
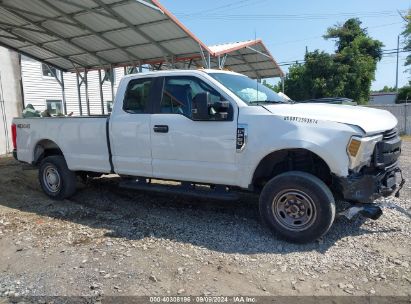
(257, 102)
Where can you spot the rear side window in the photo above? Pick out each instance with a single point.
(137, 96)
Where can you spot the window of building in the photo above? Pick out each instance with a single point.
(54, 107)
(137, 95)
(48, 71)
(179, 92)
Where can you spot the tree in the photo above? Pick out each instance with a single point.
(386, 89)
(320, 76)
(276, 87)
(346, 73)
(404, 94)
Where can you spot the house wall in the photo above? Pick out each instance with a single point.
(10, 96)
(39, 88)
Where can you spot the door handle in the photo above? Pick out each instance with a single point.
(160, 129)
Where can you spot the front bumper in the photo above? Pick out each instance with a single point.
(366, 188)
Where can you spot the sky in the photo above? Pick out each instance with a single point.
(288, 27)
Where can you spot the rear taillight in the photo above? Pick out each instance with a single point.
(14, 135)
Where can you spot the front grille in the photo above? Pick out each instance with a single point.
(388, 150)
(390, 134)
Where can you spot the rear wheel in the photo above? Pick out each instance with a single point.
(56, 180)
(297, 206)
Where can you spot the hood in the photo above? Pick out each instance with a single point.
(369, 119)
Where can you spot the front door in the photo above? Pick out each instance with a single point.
(184, 149)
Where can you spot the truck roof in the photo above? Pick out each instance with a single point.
(181, 72)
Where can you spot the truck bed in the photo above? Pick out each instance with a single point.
(83, 140)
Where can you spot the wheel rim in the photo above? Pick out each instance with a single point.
(294, 210)
(51, 179)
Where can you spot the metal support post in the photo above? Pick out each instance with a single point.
(112, 83)
(203, 56)
(78, 83)
(86, 87)
(223, 61)
(63, 92)
(100, 81)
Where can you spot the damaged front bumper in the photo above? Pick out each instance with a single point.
(363, 189)
(366, 188)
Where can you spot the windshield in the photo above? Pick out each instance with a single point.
(250, 91)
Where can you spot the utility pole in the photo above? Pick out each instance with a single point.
(396, 71)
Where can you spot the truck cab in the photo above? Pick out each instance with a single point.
(228, 132)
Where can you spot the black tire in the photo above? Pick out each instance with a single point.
(297, 206)
(56, 180)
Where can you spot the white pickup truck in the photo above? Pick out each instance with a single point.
(215, 132)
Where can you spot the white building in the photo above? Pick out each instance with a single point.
(10, 96)
(382, 98)
(43, 90)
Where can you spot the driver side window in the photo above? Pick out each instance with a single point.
(179, 92)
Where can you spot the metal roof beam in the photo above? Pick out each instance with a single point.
(252, 62)
(132, 26)
(31, 56)
(112, 49)
(102, 60)
(13, 38)
(13, 26)
(85, 9)
(258, 52)
(85, 27)
(34, 43)
(91, 34)
(97, 8)
(8, 30)
(23, 11)
(261, 70)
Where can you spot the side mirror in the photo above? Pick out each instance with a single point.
(200, 106)
(205, 109)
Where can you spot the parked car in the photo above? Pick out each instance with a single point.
(218, 132)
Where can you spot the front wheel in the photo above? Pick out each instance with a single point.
(56, 179)
(297, 206)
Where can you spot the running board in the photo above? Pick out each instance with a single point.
(187, 189)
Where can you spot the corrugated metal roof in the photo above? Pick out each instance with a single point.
(72, 34)
(76, 34)
(251, 58)
(248, 57)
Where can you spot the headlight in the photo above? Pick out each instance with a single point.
(360, 150)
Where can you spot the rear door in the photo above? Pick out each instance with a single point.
(184, 149)
(130, 128)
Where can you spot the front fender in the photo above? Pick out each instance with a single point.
(328, 140)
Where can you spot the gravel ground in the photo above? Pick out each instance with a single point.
(109, 241)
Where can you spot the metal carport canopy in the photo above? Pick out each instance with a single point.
(251, 58)
(93, 34)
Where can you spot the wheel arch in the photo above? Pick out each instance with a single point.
(44, 148)
(291, 159)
